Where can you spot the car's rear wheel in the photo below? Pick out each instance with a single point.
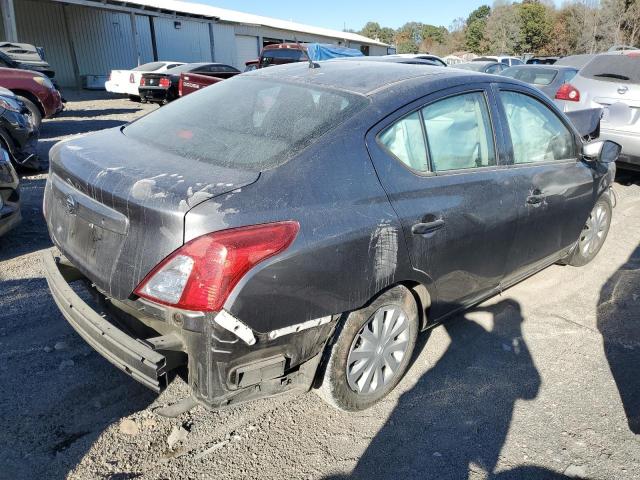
(34, 111)
(372, 351)
(593, 234)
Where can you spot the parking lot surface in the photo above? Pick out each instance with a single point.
(540, 382)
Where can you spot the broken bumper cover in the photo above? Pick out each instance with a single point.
(144, 364)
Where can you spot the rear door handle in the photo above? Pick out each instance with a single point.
(427, 227)
(536, 197)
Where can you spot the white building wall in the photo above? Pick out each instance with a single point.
(143, 28)
(42, 24)
(224, 40)
(189, 43)
(102, 40)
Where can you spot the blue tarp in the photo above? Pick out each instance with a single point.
(323, 51)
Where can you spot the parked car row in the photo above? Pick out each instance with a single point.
(163, 82)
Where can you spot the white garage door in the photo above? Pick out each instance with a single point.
(246, 49)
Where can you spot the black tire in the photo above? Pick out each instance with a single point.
(36, 114)
(583, 253)
(335, 388)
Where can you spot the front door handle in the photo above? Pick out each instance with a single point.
(427, 227)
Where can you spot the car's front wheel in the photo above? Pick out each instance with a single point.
(593, 234)
(34, 111)
(372, 351)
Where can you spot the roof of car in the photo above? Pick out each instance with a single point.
(364, 77)
(543, 66)
(389, 59)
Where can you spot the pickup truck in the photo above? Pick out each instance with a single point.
(192, 82)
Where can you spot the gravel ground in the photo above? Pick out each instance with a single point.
(537, 383)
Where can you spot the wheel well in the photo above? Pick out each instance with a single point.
(32, 97)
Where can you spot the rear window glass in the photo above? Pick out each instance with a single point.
(149, 67)
(187, 67)
(476, 67)
(281, 55)
(613, 68)
(246, 123)
(534, 76)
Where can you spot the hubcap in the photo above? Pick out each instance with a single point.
(378, 350)
(593, 232)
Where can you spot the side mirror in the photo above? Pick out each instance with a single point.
(603, 151)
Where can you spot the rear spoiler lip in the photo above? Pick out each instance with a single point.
(586, 122)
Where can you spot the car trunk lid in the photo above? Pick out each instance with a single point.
(116, 206)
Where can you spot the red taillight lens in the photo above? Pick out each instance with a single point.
(180, 87)
(568, 92)
(132, 79)
(142, 82)
(164, 82)
(201, 274)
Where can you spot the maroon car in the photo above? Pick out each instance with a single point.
(35, 90)
(192, 82)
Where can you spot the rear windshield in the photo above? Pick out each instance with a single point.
(534, 76)
(476, 67)
(187, 67)
(282, 55)
(149, 67)
(613, 68)
(246, 122)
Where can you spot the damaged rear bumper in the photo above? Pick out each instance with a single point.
(147, 341)
(147, 366)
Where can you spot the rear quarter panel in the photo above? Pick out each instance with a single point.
(349, 247)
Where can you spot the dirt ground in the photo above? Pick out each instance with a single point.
(538, 383)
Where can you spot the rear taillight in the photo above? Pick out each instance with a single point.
(164, 82)
(568, 92)
(142, 82)
(201, 274)
(180, 87)
(132, 79)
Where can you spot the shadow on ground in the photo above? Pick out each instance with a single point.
(456, 418)
(619, 324)
(97, 112)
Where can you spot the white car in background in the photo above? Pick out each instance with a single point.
(611, 81)
(127, 81)
(505, 59)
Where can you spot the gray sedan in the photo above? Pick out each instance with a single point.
(551, 79)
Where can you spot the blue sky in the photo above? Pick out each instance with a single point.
(338, 13)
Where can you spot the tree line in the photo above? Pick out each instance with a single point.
(530, 26)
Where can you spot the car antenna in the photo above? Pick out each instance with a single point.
(312, 64)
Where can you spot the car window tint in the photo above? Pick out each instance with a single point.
(537, 134)
(459, 133)
(515, 61)
(405, 140)
(494, 68)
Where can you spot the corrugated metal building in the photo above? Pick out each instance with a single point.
(93, 37)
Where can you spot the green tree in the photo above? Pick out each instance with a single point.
(502, 30)
(535, 27)
(475, 31)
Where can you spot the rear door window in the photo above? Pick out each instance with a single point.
(537, 134)
(405, 140)
(459, 133)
